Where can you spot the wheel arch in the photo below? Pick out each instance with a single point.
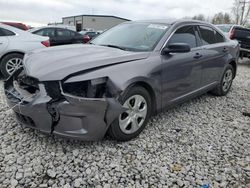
(2, 71)
(12, 52)
(234, 65)
(149, 89)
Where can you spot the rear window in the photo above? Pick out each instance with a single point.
(49, 32)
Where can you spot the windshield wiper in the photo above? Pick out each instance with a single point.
(114, 46)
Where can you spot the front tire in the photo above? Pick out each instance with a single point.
(226, 82)
(131, 123)
(10, 63)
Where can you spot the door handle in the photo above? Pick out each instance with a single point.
(197, 56)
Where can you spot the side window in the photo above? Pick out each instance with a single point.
(186, 35)
(73, 34)
(218, 37)
(49, 32)
(63, 33)
(210, 36)
(39, 32)
(5, 32)
(1, 33)
(207, 35)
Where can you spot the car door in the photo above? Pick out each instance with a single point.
(63, 36)
(48, 32)
(51, 33)
(76, 37)
(3, 41)
(214, 52)
(181, 71)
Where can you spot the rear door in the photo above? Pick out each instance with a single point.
(63, 36)
(3, 40)
(76, 37)
(48, 32)
(214, 54)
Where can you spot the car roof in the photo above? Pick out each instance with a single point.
(49, 26)
(171, 21)
(11, 28)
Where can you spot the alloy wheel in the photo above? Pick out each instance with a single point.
(227, 80)
(13, 64)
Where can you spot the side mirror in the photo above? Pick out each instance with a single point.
(176, 48)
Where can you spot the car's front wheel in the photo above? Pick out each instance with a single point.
(10, 63)
(225, 83)
(130, 123)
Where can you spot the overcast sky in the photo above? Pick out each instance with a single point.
(40, 12)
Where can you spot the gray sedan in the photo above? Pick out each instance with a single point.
(116, 82)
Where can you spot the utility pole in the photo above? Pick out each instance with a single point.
(243, 10)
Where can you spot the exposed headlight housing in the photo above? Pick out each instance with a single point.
(95, 88)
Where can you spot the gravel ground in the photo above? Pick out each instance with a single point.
(204, 142)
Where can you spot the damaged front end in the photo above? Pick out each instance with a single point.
(81, 110)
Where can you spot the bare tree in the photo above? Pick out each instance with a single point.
(227, 18)
(241, 11)
(221, 18)
(200, 17)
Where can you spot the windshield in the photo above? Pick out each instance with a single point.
(132, 36)
(224, 28)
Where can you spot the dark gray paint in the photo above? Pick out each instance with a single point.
(173, 78)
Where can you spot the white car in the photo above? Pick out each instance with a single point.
(14, 43)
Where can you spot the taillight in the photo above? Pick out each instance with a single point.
(46, 43)
(86, 38)
(232, 34)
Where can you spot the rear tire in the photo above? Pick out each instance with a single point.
(225, 83)
(131, 123)
(10, 63)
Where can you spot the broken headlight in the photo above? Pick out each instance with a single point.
(53, 89)
(95, 88)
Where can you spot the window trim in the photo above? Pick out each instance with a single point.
(202, 44)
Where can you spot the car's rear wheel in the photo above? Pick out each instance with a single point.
(131, 122)
(225, 83)
(10, 63)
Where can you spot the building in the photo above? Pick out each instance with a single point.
(96, 22)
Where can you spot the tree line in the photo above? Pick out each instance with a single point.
(239, 15)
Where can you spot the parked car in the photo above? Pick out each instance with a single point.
(114, 84)
(227, 29)
(14, 43)
(58, 35)
(242, 35)
(89, 35)
(239, 33)
(17, 25)
(70, 27)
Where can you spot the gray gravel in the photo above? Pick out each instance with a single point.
(202, 142)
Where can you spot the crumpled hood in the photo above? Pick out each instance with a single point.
(56, 63)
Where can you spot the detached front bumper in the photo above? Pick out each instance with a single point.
(74, 117)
